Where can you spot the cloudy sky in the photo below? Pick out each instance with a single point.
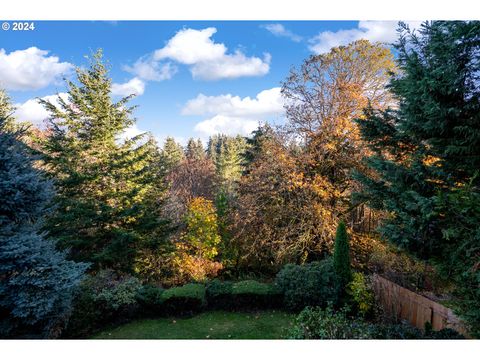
(192, 79)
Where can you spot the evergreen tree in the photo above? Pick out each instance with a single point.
(171, 155)
(426, 154)
(195, 150)
(227, 153)
(108, 189)
(430, 143)
(36, 281)
(341, 255)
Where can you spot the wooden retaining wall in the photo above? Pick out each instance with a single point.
(403, 304)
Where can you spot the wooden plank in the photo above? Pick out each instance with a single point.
(402, 303)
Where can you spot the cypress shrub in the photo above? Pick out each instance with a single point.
(341, 256)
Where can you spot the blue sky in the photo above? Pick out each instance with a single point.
(192, 79)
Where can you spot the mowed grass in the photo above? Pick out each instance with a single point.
(208, 325)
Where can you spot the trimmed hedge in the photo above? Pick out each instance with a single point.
(149, 297)
(247, 294)
(219, 294)
(184, 300)
(254, 294)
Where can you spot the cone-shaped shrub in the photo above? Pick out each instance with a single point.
(341, 256)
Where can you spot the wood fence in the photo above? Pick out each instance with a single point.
(403, 304)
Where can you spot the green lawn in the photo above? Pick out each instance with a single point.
(208, 325)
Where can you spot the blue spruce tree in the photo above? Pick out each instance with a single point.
(36, 281)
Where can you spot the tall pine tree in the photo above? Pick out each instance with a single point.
(108, 189)
(171, 155)
(431, 142)
(36, 281)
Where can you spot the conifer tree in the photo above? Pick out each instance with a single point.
(107, 188)
(227, 153)
(171, 155)
(195, 150)
(426, 154)
(430, 143)
(341, 255)
(36, 281)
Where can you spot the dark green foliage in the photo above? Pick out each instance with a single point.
(443, 334)
(36, 281)
(149, 297)
(109, 189)
(430, 143)
(103, 299)
(247, 294)
(318, 323)
(184, 300)
(251, 294)
(425, 154)
(341, 256)
(461, 232)
(312, 284)
(401, 331)
(195, 150)
(254, 144)
(219, 294)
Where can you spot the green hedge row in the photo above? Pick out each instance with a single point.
(248, 294)
(192, 298)
(296, 286)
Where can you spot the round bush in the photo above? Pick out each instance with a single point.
(312, 284)
(104, 298)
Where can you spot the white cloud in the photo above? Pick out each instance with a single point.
(280, 31)
(209, 60)
(228, 125)
(30, 69)
(34, 112)
(234, 115)
(150, 69)
(189, 46)
(267, 102)
(382, 31)
(134, 86)
(131, 132)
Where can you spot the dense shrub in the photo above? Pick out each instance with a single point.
(254, 294)
(102, 299)
(318, 323)
(183, 300)
(445, 333)
(400, 331)
(361, 294)
(312, 284)
(149, 299)
(219, 294)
